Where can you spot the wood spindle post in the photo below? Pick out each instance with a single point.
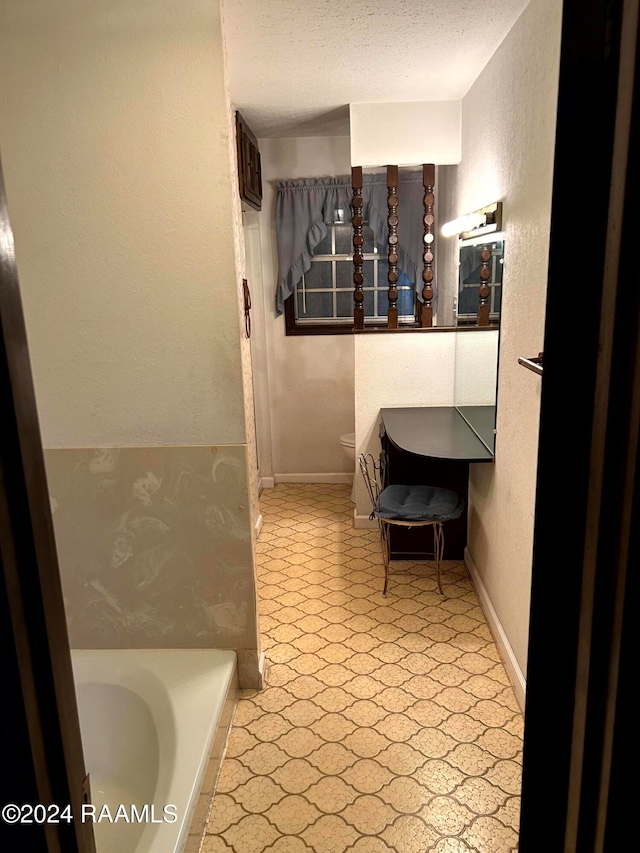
(484, 291)
(358, 241)
(392, 220)
(428, 180)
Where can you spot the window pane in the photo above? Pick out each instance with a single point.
(318, 276)
(367, 272)
(345, 304)
(368, 303)
(404, 280)
(344, 274)
(367, 233)
(344, 236)
(324, 246)
(318, 305)
(405, 303)
(344, 239)
(383, 303)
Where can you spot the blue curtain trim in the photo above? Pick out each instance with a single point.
(287, 284)
(340, 197)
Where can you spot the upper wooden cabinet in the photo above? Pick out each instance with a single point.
(249, 169)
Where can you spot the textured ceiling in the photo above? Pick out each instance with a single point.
(295, 64)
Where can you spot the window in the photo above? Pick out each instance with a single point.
(323, 299)
(314, 287)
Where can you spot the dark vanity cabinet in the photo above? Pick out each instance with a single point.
(430, 446)
(249, 169)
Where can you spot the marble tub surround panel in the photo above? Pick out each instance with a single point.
(155, 546)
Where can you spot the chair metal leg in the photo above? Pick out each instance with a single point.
(384, 536)
(438, 548)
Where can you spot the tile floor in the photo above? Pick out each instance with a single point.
(386, 724)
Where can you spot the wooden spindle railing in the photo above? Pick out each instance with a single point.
(485, 291)
(429, 181)
(358, 242)
(392, 221)
(425, 318)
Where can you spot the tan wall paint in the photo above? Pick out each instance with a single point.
(117, 141)
(241, 275)
(507, 153)
(311, 378)
(114, 137)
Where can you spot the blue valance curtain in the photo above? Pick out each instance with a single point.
(304, 208)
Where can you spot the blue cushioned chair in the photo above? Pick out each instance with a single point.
(408, 506)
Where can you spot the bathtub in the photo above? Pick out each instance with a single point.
(149, 719)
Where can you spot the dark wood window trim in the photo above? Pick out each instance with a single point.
(377, 330)
(294, 330)
(292, 327)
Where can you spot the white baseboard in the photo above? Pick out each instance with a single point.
(363, 522)
(258, 526)
(315, 478)
(509, 659)
(267, 483)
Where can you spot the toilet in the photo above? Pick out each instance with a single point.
(348, 444)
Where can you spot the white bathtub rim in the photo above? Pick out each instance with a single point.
(196, 700)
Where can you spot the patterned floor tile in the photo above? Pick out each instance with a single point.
(386, 724)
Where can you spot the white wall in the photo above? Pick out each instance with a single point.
(507, 153)
(422, 369)
(119, 161)
(310, 377)
(394, 370)
(405, 133)
(475, 369)
(114, 137)
(262, 398)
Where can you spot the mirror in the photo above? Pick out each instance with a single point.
(475, 382)
(476, 366)
(474, 258)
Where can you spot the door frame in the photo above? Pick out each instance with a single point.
(580, 664)
(42, 748)
(587, 484)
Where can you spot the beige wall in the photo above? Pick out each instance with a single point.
(119, 161)
(388, 371)
(508, 128)
(311, 380)
(399, 132)
(422, 369)
(114, 137)
(262, 397)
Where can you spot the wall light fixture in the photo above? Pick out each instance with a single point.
(483, 221)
